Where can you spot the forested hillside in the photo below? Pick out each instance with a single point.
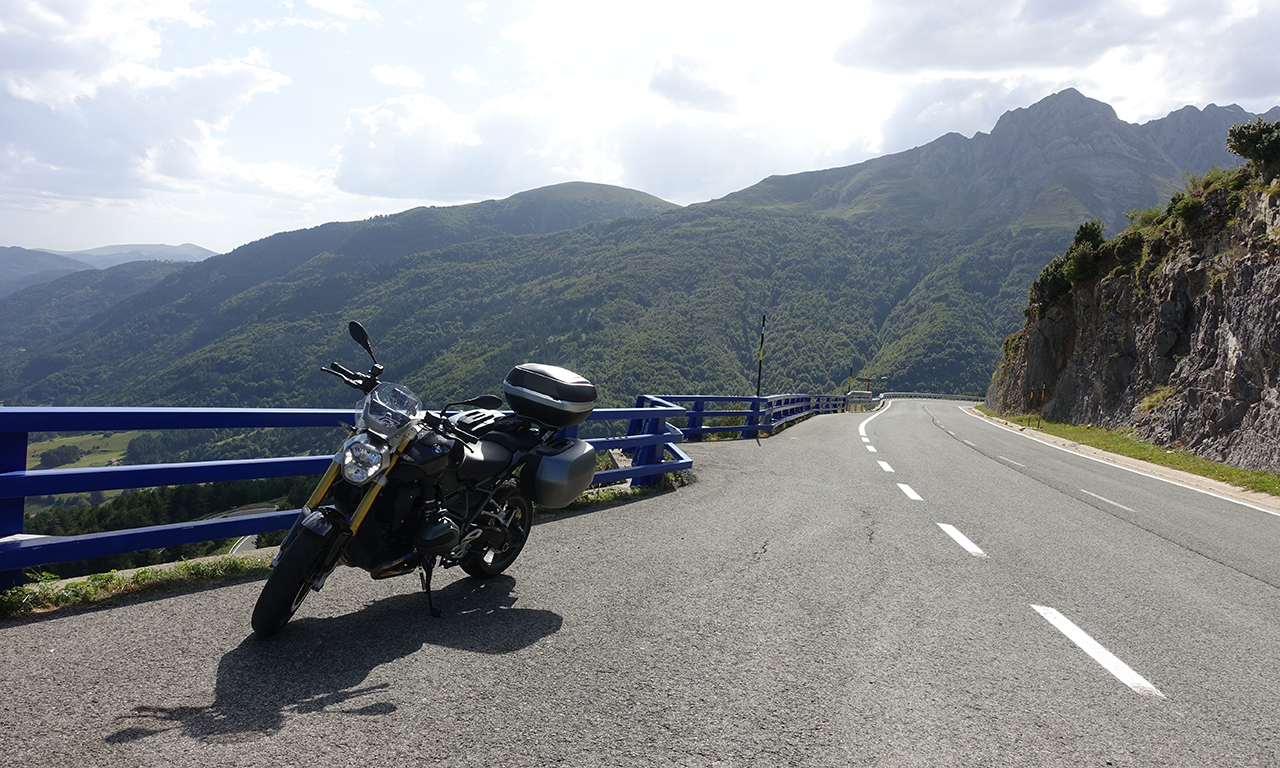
(911, 267)
(21, 267)
(42, 315)
(669, 303)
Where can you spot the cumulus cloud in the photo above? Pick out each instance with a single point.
(681, 83)
(986, 35)
(465, 75)
(352, 9)
(416, 147)
(94, 117)
(397, 75)
(930, 109)
(1202, 51)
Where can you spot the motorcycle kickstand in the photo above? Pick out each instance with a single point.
(424, 575)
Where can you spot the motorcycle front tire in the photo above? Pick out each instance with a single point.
(289, 582)
(490, 562)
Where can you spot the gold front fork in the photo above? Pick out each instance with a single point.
(370, 495)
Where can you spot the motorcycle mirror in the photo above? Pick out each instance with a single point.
(361, 337)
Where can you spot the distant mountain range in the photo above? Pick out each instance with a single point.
(23, 267)
(111, 255)
(913, 266)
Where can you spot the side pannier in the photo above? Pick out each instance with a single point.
(558, 472)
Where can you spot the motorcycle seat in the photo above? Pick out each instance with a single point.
(523, 440)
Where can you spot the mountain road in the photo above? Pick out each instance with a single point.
(917, 586)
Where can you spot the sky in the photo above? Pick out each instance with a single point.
(219, 122)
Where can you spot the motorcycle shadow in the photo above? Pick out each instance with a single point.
(320, 664)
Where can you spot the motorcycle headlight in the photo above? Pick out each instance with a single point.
(363, 460)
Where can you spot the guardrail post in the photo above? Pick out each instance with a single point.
(649, 454)
(694, 433)
(636, 427)
(13, 458)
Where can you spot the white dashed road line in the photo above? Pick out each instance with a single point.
(885, 466)
(962, 540)
(910, 493)
(1109, 501)
(1011, 461)
(871, 448)
(1123, 672)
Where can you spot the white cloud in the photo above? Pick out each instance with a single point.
(416, 147)
(93, 116)
(681, 82)
(466, 74)
(1145, 57)
(153, 108)
(352, 9)
(398, 75)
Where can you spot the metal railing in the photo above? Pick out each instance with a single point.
(926, 396)
(654, 448)
(650, 438)
(750, 415)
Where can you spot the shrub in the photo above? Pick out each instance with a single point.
(1258, 141)
(1184, 207)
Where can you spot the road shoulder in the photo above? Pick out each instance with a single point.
(1262, 501)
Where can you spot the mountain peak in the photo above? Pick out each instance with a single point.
(1064, 106)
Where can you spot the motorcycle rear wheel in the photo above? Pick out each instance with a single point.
(289, 582)
(488, 562)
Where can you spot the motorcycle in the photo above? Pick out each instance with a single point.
(411, 489)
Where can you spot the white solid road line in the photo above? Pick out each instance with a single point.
(885, 466)
(910, 493)
(962, 540)
(1121, 466)
(862, 428)
(1109, 501)
(1123, 672)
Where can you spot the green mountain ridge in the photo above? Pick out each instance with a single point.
(914, 266)
(23, 267)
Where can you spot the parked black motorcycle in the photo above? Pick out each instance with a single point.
(411, 488)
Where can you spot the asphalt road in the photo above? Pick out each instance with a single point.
(976, 599)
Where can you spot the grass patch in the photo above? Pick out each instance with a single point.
(605, 495)
(96, 449)
(1156, 398)
(1122, 442)
(46, 593)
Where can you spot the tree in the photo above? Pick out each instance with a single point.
(56, 457)
(1258, 141)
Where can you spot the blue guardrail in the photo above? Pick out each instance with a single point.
(651, 438)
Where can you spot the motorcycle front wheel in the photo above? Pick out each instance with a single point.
(491, 562)
(289, 582)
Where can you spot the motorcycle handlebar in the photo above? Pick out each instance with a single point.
(342, 370)
(352, 379)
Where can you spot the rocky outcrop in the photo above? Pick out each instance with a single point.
(1178, 336)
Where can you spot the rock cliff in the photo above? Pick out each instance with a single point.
(1175, 331)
